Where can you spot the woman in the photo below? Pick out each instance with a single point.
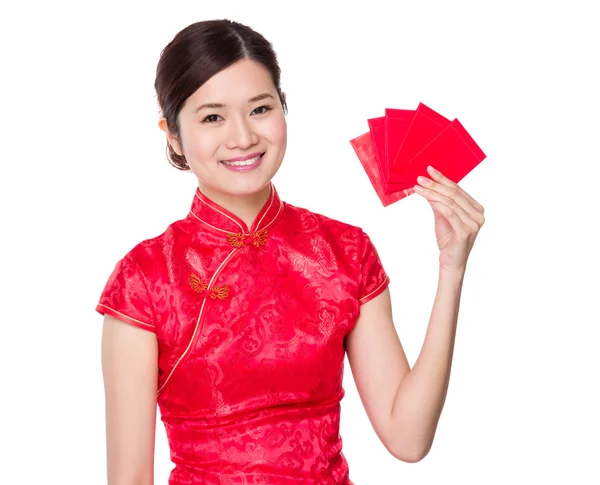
(236, 319)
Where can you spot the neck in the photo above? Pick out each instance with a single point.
(246, 207)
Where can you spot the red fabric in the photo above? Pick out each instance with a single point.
(251, 326)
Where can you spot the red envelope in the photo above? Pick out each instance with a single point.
(425, 126)
(412, 134)
(377, 128)
(453, 152)
(397, 122)
(363, 146)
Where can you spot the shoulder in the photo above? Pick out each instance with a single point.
(149, 255)
(335, 244)
(310, 221)
(347, 241)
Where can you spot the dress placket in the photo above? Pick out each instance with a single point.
(211, 290)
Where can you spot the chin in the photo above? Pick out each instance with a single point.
(240, 186)
(247, 187)
(248, 183)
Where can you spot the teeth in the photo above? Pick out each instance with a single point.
(243, 163)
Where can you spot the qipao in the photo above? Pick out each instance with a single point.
(251, 326)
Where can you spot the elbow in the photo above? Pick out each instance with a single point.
(409, 457)
(412, 454)
(128, 479)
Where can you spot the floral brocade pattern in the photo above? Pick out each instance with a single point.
(251, 332)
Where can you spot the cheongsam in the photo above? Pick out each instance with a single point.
(251, 326)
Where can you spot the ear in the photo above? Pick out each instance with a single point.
(171, 138)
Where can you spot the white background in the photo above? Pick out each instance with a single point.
(84, 178)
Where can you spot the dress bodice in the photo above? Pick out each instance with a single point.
(251, 326)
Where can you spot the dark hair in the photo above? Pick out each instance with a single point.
(197, 53)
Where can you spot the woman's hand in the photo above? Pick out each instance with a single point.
(458, 218)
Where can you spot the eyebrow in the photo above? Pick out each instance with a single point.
(259, 97)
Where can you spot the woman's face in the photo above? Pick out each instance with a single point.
(236, 113)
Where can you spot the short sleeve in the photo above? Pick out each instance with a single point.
(372, 279)
(126, 296)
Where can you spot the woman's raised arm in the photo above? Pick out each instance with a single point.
(129, 368)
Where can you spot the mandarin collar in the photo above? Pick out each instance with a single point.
(218, 218)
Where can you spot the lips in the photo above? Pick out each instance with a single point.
(244, 158)
(246, 161)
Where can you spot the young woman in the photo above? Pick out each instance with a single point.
(237, 318)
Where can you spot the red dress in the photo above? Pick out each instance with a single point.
(251, 327)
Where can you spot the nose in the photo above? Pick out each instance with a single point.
(241, 133)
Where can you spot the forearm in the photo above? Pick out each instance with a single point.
(422, 392)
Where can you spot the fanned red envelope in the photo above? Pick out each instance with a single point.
(453, 152)
(363, 146)
(378, 129)
(400, 145)
(426, 124)
(397, 122)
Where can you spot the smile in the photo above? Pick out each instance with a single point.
(243, 163)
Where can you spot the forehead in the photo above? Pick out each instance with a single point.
(235, 84)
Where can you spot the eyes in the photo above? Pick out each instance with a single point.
(213, 118)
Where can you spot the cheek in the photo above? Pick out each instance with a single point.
(200, 144)
(278, 130)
